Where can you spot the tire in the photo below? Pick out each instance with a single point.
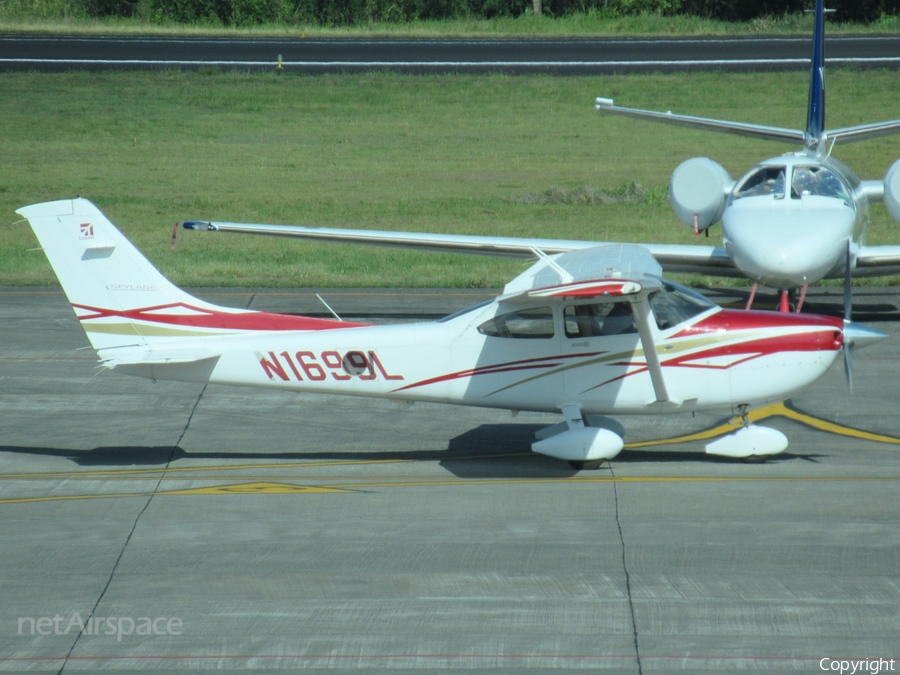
(755, 459)
(591, 465)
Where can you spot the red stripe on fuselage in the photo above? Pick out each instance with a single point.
(206, 318)
(737, 319)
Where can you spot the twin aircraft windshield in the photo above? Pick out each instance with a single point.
(813, 179)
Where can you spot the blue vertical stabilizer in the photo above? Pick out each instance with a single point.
(815, 115)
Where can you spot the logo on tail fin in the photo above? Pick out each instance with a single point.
(87, 231)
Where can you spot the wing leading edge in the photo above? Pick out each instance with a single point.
(711, 260)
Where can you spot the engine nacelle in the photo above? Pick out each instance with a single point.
(892, 189)
(699, 187)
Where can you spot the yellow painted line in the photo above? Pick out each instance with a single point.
(255, 467)
(288, 488)
(236, 467)
(62, 498)
(196, 479)
(231, 489)
(774, 410)
(831, 427)
(627, 479)
(255, 489)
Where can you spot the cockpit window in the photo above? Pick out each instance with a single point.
(600, 319)
(817, 180)
(674, 304)
(768, 180)
(532, 323)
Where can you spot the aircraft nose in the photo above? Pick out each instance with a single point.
(859, 336)
(787, 251)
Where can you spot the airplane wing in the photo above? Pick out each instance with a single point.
(739, 128)
(712, 260)
(874, 261)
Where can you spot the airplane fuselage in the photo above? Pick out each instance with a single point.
(791, 220)
(716, 360)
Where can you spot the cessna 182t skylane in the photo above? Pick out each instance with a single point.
(585, 333)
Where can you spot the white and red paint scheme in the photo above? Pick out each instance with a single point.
(586, 333)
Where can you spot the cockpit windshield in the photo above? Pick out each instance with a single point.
(767, 180)
(817, 180)
(673, 304)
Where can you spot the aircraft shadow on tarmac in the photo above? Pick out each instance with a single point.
(487, 451)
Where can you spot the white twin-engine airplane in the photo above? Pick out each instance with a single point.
(585, 333)
(791, 220)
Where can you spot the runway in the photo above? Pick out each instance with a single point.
(272, 531)
(569, 56)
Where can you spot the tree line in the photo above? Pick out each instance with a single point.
(350, 12)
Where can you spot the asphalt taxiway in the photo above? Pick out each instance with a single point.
(274, 531)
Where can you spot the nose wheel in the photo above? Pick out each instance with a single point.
(589, 465)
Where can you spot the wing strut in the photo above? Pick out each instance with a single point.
(641, 313)
(564, 276)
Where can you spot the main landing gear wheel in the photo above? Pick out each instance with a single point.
(590, 465)
(755, 459)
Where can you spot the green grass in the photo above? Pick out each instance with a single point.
(499, 155)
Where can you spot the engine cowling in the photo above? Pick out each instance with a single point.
(699, 187)
(892, 189)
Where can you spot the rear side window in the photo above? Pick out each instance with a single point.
(529, 324)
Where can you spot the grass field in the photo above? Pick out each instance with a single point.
(470, 154)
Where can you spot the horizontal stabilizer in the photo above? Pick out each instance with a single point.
(739, 128)
(863, 132)
(181, 365)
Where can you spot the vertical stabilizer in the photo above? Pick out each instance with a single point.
(120, 298)
(815, 114)
(104, 276)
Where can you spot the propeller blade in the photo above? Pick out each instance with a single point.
(848, 290)
(848, 364)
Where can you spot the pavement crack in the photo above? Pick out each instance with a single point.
(637, 652)
(112, 573)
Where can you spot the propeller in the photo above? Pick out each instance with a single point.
(857, 336)
(848, 319)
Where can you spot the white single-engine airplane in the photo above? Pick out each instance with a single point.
(795, 219)
(585, 333)
(788, 222)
